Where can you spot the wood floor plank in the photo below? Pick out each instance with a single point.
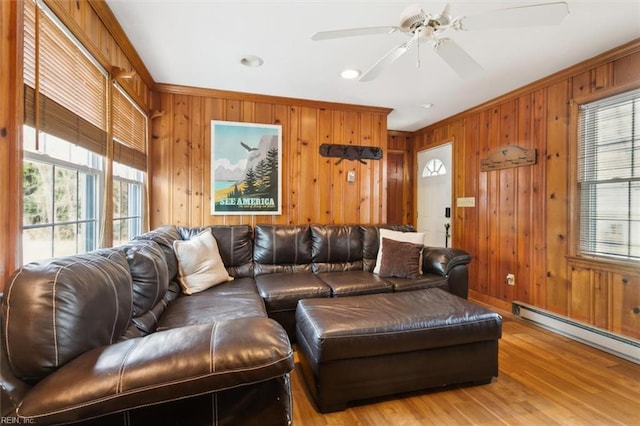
(544, 378)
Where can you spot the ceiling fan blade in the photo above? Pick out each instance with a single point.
(461, 62)
(445, 16)
(524, 16)
(353, 32)
(387, 60)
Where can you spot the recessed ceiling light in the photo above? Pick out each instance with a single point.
(426, 106)
(350, 74)
(251, 61)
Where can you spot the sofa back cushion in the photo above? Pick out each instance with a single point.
(282, 248)
(371, 242)
(164, 236)
(57, 309)
(149, 274)
(336, 248)
(234, 244)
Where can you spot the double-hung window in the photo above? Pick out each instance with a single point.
(72, 106)
(60, 207)
(609, 177)
(129, 165)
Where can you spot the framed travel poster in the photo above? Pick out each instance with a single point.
(246, 175)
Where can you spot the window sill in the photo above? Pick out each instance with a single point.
(602, 264)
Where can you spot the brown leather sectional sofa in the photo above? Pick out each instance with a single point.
(107, 337)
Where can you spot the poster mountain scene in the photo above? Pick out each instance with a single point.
(246, 170)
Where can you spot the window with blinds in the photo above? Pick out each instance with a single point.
(77, 120)
(129, 130)
(609, 177)
(65, 89)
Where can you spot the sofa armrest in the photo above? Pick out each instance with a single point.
(441, 260)
(451, 263)
(160, 367)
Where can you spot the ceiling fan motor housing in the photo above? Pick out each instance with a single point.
(417, 20)
(412, 19)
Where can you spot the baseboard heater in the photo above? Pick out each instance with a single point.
(607, 341)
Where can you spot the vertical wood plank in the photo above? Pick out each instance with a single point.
(308, 146)
(557, 194)
(339, 171)
(539, 207)
(351, 200)
(494, 277)
(11, 119)
(325, 170)
(161, 148)
(197, 142)
(626, 303)
(524, 203)
(468, 234)
(182, 157)
(281, 117)
(581, 294)
(507, 203)
(482, 205)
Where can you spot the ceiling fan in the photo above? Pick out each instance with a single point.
(425, 27)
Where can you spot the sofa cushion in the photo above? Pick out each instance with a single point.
(234, 243)
(281, 292)
(148, 322)
(282, 248)
(401, 259)
(409, 237)
(199, 263)
(149, 273)
(351, 283)
(161, 367)
(336, 248)
(425, 281)
(164, 236)
(59, 308)
(209, 307)
(370, 235)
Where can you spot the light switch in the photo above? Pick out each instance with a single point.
(466, 202)
(351, 176)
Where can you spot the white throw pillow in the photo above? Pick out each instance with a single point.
(405, 237)
(199, 263)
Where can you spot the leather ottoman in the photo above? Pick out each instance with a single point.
(359, 347)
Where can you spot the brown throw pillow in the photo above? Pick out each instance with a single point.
(400, 259)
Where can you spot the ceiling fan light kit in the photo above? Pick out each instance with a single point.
(422, 26)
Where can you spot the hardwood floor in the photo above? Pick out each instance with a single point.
(545, 379)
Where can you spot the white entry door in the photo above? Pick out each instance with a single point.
(434, 194)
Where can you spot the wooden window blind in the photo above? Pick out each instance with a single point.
(129, 130)
(71, 88)
(609, 176)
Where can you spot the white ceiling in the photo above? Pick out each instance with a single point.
(200, 43)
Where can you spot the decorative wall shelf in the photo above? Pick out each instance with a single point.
(508, 156)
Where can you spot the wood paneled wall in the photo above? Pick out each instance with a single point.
(315, 189)
(522, 221)
(10, 136)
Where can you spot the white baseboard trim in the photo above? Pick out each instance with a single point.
(615, 344)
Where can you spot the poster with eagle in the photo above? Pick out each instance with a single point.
(246, 175)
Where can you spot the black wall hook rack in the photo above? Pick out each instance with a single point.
(351, 152)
